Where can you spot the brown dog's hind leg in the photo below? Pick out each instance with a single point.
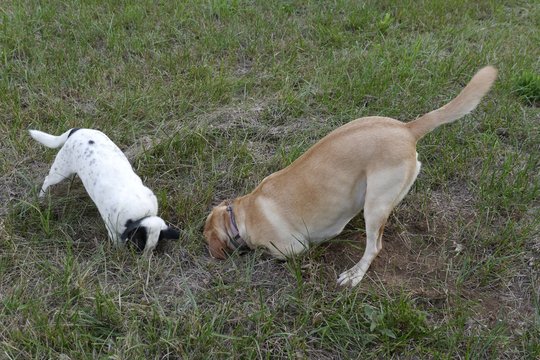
(384, 191)
(375, 220)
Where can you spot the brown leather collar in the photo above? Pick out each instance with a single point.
(238, 242)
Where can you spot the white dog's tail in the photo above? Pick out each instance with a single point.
(463, 104)
(50, 140)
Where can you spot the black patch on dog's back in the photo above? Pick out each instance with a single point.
(91, 142)
(73, 131)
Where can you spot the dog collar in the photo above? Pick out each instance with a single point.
(235, 239)
(130, 226)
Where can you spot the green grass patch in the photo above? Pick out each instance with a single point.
(208, 98)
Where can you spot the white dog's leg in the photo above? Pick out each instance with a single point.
(59, 171)
(384, 191)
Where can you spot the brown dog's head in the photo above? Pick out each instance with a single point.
(215, 231)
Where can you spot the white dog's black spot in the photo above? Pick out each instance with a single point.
(73, 131)
(138, 238)
(135, 234)
(169, 233)
(91, 142)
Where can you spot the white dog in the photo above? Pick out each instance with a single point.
(128, 208)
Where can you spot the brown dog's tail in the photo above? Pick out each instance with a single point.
(463, 104)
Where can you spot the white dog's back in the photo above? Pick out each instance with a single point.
(95, 156)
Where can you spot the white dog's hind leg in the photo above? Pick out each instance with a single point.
(59, 171)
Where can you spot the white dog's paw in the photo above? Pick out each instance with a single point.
(350, 277)
(41, 194)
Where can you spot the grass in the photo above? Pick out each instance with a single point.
(207, 98)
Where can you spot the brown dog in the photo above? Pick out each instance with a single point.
(369, 163)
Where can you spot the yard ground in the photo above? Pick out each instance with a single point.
(209, 97)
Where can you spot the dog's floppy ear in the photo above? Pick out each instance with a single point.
(169, 233)
(137, 237)
(213, 228)
(216, 247)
